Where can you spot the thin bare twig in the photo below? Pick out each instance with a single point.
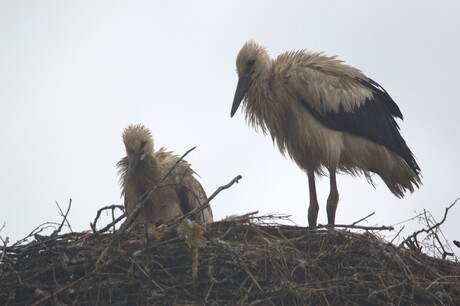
(436, 236)
(362, 219)
(397, 235)
(112, 224)
(407, 220)
(114, 221)
(386, 289)
(5, 243)
(36, 231)
(409, 241)
(205, 205)
(247, 217)
(64, 220)
(369, 228)
(437, 281)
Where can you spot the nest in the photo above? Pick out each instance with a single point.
(232, 262)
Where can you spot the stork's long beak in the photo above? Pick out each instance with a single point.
(133, 162)
(243, 84)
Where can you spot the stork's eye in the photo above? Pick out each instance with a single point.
(143, 144)
(251, 63)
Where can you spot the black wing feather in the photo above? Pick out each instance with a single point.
(374, 120)
(184, 201)
(386, 99)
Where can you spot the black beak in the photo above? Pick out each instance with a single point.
(243, 84)
(133, 162)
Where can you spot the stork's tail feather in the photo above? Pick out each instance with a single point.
(367, 158)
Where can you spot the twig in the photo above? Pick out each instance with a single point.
(5, 243)
(35, 231)
(407, 220)
(369, 215)
(247, 217)
(136, 212)
(205, 204)
(386, 289)
(113, 220)
(413, 238)
(98, 214)
(436, 237)
(368, 228)
(58, 230)
(437, 281)
(112, 224)
(397, 235)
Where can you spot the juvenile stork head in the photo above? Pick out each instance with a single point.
(139, 144)
(252, 62)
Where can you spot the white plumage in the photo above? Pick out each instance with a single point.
(327, 116)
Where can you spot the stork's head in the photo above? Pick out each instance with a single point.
(252, 62)
(139, 144)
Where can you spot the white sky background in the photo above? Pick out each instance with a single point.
(74, 74)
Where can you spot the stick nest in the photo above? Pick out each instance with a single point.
(240, 262)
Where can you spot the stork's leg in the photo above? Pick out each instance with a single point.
(314, 207)
(333, 198)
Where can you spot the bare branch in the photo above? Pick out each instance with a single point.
(362, 219)
(247, 217)
(112, 224)
(115, 221)
(369, 228)
(412, 239)
(397, 235)
(64, 220)
(5, 243)
(36, 231)
(205, 204)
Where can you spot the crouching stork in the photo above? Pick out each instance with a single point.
(325, 115)
(142, 169)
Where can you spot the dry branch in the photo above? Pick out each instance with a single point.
(64, 218)
(351, 226)
(108, 226)
(205, 205)
(412, 242)
(362, 219)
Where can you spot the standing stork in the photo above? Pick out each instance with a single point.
(143, 168)
(325, 115)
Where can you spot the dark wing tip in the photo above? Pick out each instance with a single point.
(378, 90)
(183, 200)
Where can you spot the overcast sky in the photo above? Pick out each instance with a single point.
(74, 74)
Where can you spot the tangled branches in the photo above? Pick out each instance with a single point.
(243, 262)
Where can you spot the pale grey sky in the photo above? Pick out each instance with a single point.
(74, 74)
